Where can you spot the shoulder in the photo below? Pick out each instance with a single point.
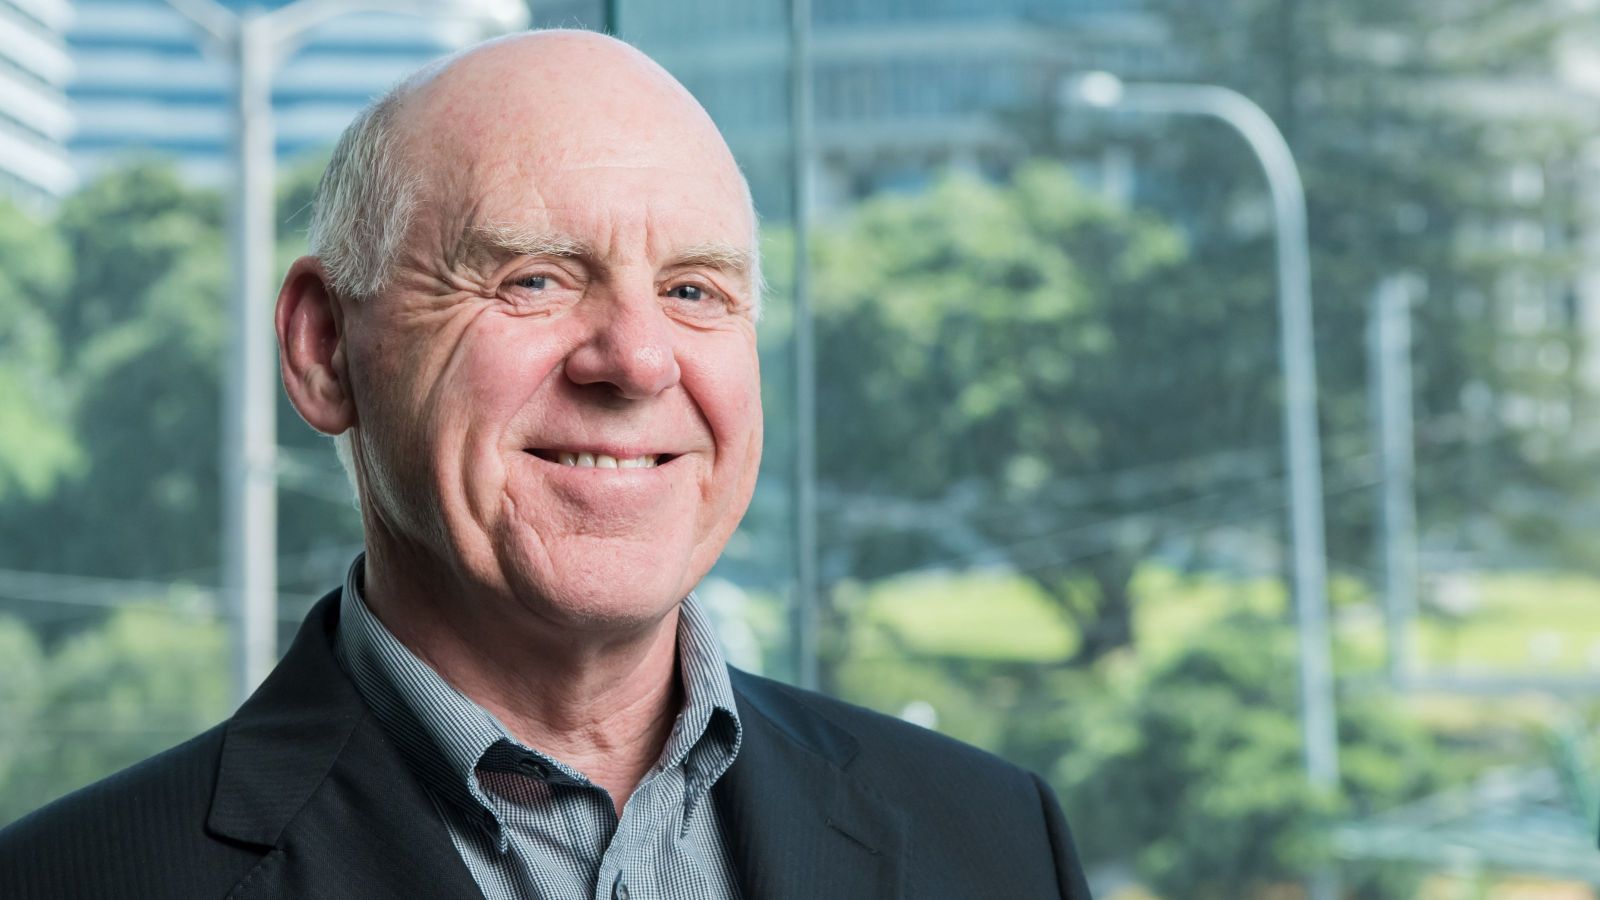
(963, 809)
(179, 777)
(897, 754)
(141, 829)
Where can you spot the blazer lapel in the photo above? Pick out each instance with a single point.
(307, 771)
(799, 825)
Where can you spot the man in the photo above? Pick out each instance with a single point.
(530, 316)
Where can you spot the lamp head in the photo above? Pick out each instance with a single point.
(1097, 89)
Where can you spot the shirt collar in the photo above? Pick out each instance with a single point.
(445, 736)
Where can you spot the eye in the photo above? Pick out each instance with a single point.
(532, 282)
(691, 292)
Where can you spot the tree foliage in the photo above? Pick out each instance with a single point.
(144, 680)
(1183, 768)
(1201, 758)
(121, 321)
(1423, 154)
(136, 311)
(1026, 375)
(36, 447)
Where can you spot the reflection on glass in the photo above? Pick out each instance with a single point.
(1050, 514)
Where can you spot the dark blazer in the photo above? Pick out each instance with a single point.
(302, 795)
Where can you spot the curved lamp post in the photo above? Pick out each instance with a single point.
(1298, 360)
(254, 44)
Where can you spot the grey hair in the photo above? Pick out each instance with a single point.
(361, 213)
(365, 199)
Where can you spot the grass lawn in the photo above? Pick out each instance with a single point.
(1510, 622)
(980, 615)
(1522, 622)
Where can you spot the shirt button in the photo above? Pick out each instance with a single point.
(621, 891)
(534, 768)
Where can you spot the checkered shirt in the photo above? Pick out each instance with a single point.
(528, 825)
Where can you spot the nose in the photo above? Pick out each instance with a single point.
(629, 347)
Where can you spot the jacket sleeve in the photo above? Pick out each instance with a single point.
(1069, 871)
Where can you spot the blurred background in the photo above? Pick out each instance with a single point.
(1045, 469)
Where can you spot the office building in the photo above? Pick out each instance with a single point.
(145, 84)
(900, 89)
(34, 118)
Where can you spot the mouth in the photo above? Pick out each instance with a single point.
(589, 459)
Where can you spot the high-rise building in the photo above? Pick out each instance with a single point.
(901, 89)
(145, 83)
(34, 118)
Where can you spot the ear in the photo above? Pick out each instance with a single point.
(311, 348)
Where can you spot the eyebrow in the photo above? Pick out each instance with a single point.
(724, 257)
(526, 242)
(735, 261)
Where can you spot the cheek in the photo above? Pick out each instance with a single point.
(496, 368)
(493, 380)
(445, 395)
(727, 389)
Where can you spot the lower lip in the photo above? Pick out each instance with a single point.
(610, 492)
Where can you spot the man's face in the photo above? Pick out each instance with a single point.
(558, 395)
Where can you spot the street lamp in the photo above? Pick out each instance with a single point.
(254, 44)
(1298, 361)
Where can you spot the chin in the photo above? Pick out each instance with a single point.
(603, 585)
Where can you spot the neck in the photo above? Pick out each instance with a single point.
(601, 701)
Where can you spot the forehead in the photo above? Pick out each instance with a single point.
(622, 208)
(591, 138)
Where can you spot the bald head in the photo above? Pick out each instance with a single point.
(563, 91)
(438, 149)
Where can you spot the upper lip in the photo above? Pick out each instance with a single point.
(554, 453)
(598, 449)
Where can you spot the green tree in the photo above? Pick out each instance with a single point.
(22, 676)
(113, 321)
(1192, 766)
(1024, 375)
(37, 448)
(134, 280)
(144, 680)
(137, 312)
(1185, 766)
(1413, 163)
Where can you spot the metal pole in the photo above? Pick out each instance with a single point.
(1302, 442)
(1391, 367)
(1297, 354)
(251, 44)
(805, 413)
(249, 452)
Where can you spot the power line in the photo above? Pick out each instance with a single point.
(95, 591)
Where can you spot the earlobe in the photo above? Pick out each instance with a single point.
(311, 348)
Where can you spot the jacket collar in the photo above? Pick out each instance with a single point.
(306, 770)
(799, 824)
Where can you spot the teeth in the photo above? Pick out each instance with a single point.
(602, 461)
